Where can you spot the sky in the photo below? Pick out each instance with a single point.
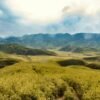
(20, 17)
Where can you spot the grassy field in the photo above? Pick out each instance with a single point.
(43, 78)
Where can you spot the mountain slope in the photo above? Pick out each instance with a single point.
(78, 49)
(22, 50)
(56, 40)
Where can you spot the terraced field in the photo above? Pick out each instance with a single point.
(44, 78)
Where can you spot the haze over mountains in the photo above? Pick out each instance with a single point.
(55, 40)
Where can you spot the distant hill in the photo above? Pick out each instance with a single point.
(46, 41)
(22, 50)
(78, 49)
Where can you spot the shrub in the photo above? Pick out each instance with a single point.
(93, 66)
(71, 62)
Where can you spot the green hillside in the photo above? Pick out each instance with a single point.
(22, 50)
(78, 49)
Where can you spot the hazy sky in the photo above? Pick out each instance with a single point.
(18, 17)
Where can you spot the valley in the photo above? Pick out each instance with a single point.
(50, 67)
(49, 49)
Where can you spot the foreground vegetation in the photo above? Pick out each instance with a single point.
(43, 78)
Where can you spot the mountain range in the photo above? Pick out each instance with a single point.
(46, 41)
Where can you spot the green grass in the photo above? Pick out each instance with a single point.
(22, 50)
(42, 78)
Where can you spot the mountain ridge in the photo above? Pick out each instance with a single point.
(55, 40)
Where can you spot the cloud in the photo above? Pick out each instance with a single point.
(50, 10)
(37, 10)
(1, 13)
(87, 7)
(19, 17)
(76, 23)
